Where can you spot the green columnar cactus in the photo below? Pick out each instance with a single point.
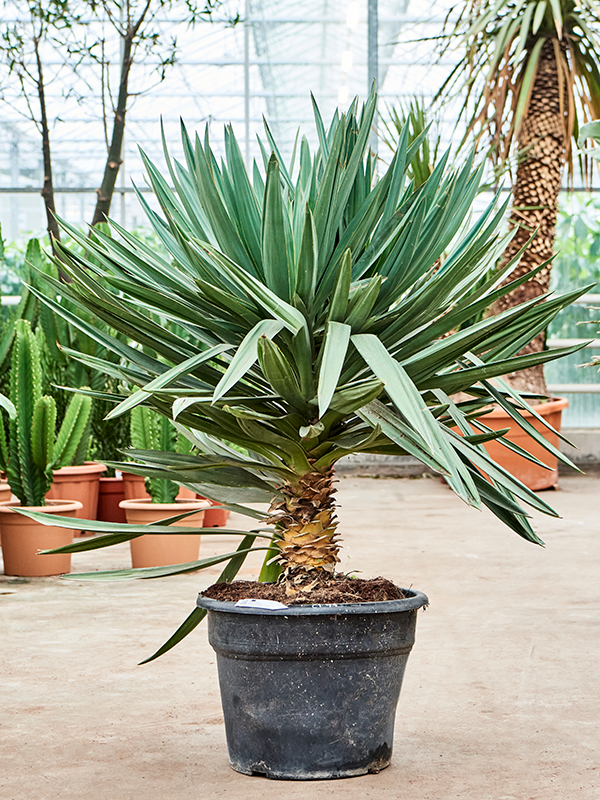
(31, 453)
(152, 431)
(73, 439)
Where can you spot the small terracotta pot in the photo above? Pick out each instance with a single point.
(530, 474)
(216, 517)
(5, 492)
(163, 549)
(187, 494)
(78, 483)
(23, 537)
(110, 496)
(135, 487)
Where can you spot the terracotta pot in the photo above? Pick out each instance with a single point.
(23, 537)
(5, 493)
(78, 483)
(530, 474)
(110, 496)
(164, 548)
(215, 516)
(134, 486)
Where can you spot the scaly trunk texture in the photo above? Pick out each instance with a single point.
(535, 198)
(307, 523)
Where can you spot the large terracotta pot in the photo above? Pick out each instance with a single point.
(78, 483)
(162, 549)
(23, 537)
(526, 471)
(110, 496)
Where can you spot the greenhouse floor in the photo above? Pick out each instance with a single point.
(500, 699)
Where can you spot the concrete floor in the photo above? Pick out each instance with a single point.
(500, 699)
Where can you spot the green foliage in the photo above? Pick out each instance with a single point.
(31, 453)
(73, 438)
(151, 431)
(104, 439)
(499, 44)
(412, 118)
(28, 307)
(345, 338)
(266, 370)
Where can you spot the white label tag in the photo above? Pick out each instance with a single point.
(257, 602)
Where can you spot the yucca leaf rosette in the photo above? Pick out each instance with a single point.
(306, 312)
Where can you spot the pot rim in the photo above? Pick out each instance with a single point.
(145, 503)
(414, 600)
(543, 409)
(88, 467)
(51, 507)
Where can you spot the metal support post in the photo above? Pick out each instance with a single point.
(247, 80)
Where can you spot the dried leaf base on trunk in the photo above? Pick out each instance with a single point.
(307, 524)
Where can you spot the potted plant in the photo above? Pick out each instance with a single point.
(323, 311)
(134, 486)
(28, 458)
(151, 431)
(536, 64)
(73, 477)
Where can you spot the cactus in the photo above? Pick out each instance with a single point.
(28, 477)
(31, 452)
(152, 431)
(74, 436)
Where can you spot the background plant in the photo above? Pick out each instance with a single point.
(31, 452)
(416, 114)
(528, 76)
(152, 431)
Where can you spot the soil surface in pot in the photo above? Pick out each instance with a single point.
(340, 589)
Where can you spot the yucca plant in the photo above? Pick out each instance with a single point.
(32, 451)
(322, 314)
(152, 431)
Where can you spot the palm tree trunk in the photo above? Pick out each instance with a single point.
(307, 523)
(542, 145)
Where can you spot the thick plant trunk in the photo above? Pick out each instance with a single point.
(542, 141)
(307, 523)
(48, 187)
(115, 151)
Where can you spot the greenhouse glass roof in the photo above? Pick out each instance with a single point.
(266, 64)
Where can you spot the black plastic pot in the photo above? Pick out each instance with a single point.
(310, 692)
